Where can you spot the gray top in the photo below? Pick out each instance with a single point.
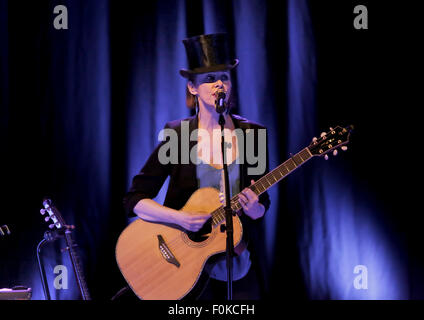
(208, 176)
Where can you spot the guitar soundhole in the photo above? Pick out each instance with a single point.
(202, 234)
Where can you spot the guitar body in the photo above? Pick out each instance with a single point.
(164, 262)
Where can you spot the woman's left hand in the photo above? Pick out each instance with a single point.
(250, 203)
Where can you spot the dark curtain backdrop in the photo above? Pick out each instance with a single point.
(81, 110)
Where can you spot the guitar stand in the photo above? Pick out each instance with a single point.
(43, 271)
(49, 236)
(62, 230)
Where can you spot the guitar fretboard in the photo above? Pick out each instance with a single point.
(266, 182)
(77, 266)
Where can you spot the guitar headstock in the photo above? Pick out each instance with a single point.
(53, 215)
(331, 140)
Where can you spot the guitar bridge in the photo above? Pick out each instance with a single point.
(166, 252)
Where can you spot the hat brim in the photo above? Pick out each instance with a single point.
(220, 67)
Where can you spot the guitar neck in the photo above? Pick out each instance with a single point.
(266, 182)
(280, 172)
(79, 275)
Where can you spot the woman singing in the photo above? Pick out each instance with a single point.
(209, 73)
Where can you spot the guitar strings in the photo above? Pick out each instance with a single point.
(262, 184)
(217, 216)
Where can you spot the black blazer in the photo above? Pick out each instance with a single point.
(183, 181)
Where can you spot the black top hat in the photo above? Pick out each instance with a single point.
(208, 53)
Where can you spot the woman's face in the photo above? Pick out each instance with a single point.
(206, 85)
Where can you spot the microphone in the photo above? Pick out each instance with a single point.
(220, 101)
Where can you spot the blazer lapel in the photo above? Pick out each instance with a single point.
(189, 170)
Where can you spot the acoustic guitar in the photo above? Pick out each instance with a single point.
(163, 262)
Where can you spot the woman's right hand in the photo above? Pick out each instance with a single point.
(191, 221)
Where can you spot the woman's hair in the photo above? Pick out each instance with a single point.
(191, 99)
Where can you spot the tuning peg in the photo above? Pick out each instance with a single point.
(51, 226)
(323, 134)
(344, 148)
(326, 157)
(46, 219)
(42, 211)
(335, 152)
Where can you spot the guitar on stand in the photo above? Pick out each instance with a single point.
(62, 229)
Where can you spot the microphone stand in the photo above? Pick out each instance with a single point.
(42, 271)
(228, 212)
